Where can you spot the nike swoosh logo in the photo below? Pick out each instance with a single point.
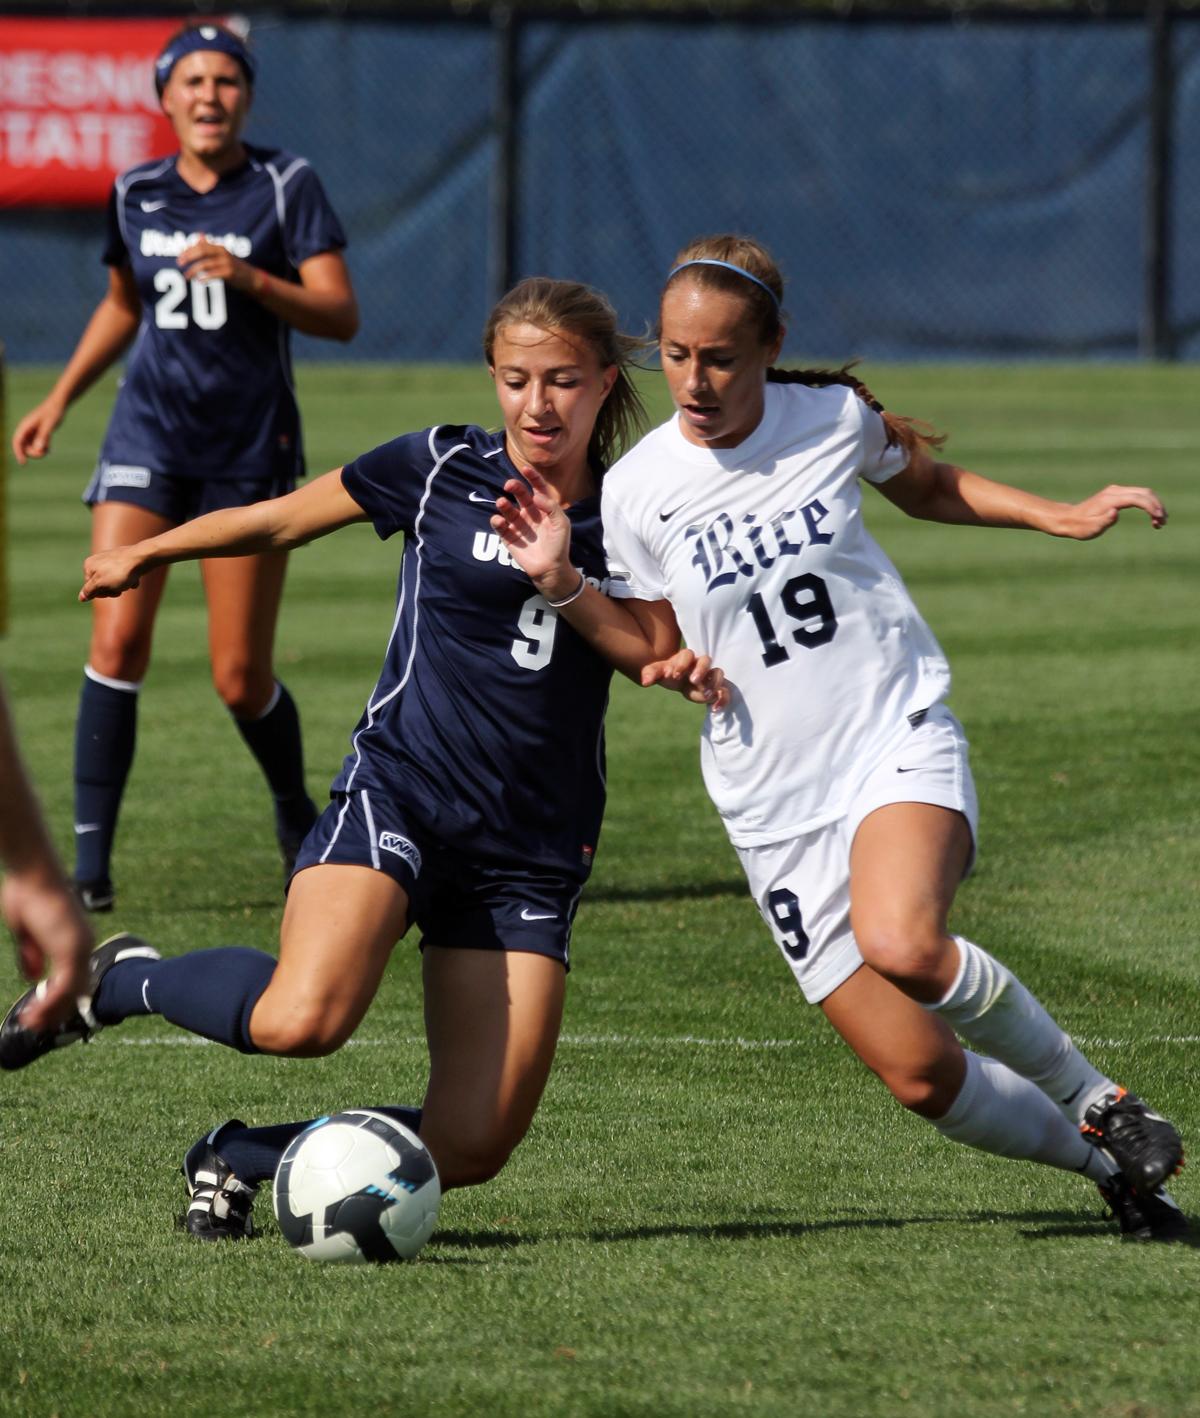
(528, 915)
(82, 827)
(906, 770)
(152, 206)
(666, 516)
(479, 497)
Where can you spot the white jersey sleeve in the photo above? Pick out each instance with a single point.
(881, 460)
(633, 572)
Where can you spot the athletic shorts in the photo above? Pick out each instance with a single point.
(455, 898)
(802, 885)
(180, 499)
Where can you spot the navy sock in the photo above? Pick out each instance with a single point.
(104, 738)
(274, 740)
(253, 1153)
(207, 992)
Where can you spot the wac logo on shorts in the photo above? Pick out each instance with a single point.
(402, 847)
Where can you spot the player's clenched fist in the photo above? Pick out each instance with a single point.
(108, 573)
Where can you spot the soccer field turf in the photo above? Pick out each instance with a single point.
(717, 1209)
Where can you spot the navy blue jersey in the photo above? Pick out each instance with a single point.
(208, 389)
(488, 718)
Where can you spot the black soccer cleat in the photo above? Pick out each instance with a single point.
(219, 1205)
(95, 896)
(20, 1046)
(1145, 1146)
(1143, 1216)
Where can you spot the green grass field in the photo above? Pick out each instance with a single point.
(716, 1210)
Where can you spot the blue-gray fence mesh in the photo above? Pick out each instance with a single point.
(932, 190)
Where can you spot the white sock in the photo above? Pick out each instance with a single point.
(998, 1111)
(995, 1013)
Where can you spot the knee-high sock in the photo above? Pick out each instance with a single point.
(996, 1014)
(105, 733)
(253, 1153)
(274, 740)
(998, 1111)
(207, 992)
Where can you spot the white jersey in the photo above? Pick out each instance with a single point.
(762, 552)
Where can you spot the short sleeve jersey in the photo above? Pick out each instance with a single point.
(208, 390)
(762, 552)
(487, 721)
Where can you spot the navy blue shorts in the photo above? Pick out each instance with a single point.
(177, 498)
(457, 899)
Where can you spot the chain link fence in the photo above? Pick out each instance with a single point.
(933, 189)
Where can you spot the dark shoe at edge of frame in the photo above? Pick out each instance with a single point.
(20, 1046)
(1152, 1216)
(1145, 1146)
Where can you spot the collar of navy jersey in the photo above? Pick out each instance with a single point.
(224, 179)
(501, 456)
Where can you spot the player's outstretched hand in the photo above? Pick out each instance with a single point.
(50, 931)
(694, 676)
(31, 439)
(1096, 514)
(109, 573)
(531, 523)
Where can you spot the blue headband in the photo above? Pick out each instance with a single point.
(727, 266)
(201, 37)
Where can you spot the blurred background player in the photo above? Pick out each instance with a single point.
(37, 903)
(841, 776)
(214, 255)
(472, 797)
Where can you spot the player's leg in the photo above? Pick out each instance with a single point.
(906, 861)
(223, 1169)
(976, 1101)
(106, 727)
(492, 1020)
(243, 595)
(492, 1011)
(339, 927)
(338, 931)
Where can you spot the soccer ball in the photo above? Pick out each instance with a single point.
(357, 1186)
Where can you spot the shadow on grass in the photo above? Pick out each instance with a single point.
(1029, 1225)
(699, 891)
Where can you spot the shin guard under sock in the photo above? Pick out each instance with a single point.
(998, 1111)
(105, 733)
(274, 740)
(990, 1008)
(207, 992)
(253, 1154)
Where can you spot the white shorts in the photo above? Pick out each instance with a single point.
(802, 885)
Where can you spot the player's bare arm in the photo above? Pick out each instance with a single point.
(107, 335)
(943, 492)
(35, 899)
(278, 524)
(321, 304)
(640, 638)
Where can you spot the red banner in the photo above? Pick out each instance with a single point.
(77, 106)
